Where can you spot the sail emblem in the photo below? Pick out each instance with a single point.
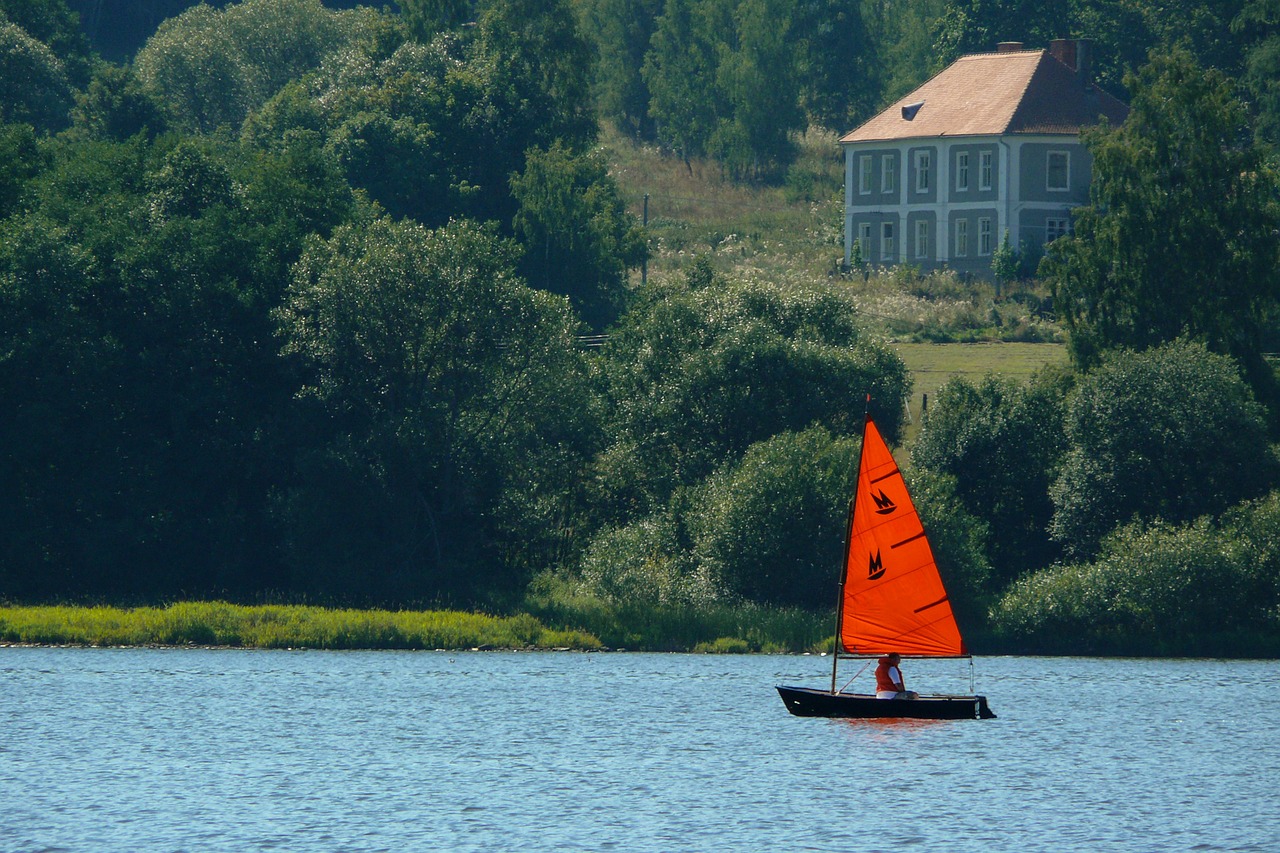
(884, 503)
(876, 567)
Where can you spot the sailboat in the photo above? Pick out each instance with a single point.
(891, 599)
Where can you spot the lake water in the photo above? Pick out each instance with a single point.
(213, 750)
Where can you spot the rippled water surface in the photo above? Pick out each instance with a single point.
(114, 749)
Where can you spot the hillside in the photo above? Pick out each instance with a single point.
(939, 325)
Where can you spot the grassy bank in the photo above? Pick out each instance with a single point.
(723, 629)
(280, 626)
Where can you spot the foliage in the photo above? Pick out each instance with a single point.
(1001, 442)
(1198, 588)
(769, 528)
(580, 237)
(1171, 433)
(1179, 187)
(34, 88)
(700, 370)
(678, 626)
(454, 388)
(212, 67)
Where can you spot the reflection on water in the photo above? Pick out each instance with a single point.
(111, 749)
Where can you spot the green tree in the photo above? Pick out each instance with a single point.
(699, 371)
(1182, 233)
(212, 67)
(1001, 442)
(34, 88)
(580, 238)
(837, 63)
(769, 528)
(680, 73)
(622, 31)
(115, 106)
(453, 394)
(1171, 433)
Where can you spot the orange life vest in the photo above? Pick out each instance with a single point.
(883, 681)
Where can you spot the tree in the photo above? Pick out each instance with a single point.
(580, 238)
(699, 371)
(622, 31)
(1171, 433)
(1182, 233)
(212, 67)
(680, 72)
(33, 83)
(768, 528)
(1001, 442)
(452, 394)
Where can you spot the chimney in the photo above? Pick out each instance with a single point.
(1009, 47)
(1075, 54)
(1064, 50)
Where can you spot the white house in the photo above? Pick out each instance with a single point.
(991, 143)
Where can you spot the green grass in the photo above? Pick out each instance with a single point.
(585, 626)
(217, 623)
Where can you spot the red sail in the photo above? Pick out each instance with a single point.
(894, 600)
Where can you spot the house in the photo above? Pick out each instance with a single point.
(991, 143)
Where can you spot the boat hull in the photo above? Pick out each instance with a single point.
(808, 702)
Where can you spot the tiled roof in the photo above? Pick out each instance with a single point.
(991, 94)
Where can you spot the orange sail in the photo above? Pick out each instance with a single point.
(894, 600)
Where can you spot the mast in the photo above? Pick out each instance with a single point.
(844, 561)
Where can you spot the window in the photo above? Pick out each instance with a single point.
(886, 241)
(984, 236)
(984, 170)
(962, 238)
(1055, 228)
(962, 171)
(1058, 170)
(864, 239)
(888, 174)
(924, 164)
(922, 238)
(864, 174)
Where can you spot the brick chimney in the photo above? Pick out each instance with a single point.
(1076, 55)
(1009, 47)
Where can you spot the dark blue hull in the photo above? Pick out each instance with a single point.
(808, 702)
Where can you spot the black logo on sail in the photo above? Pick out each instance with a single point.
(884, 503)
(876, 568)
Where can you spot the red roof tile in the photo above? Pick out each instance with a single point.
(991, 94)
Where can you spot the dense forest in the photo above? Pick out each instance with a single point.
(338, 304)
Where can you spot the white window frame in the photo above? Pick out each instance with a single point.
(962, 237)
(962, 171)
(985, 169)
(1055, 227)
(864, 174)
(1066, 171)
(864, 239)
(922, 238)
(887, 249)
(888, 173)
(984, 235)
(924, 166)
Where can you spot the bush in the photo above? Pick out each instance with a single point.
(1193, 589)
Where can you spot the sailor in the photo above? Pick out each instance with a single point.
(889, 679)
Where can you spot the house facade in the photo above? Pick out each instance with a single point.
(991, 144)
